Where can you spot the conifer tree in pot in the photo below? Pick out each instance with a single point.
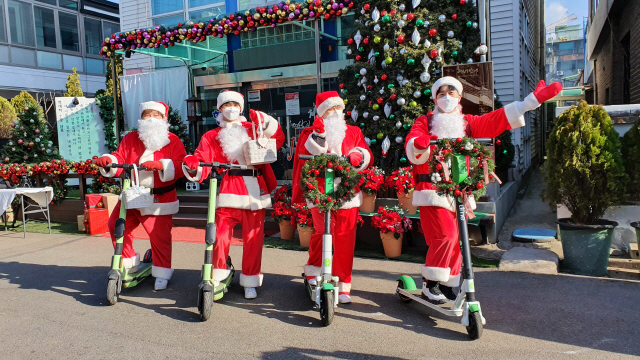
(584, 171)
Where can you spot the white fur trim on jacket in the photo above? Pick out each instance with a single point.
(355, 202)
(344, 287)
(220, 274)
(243, 201)
(250, 280)
(366, 158)
(329, 103)
(128, 263)
(431, 198)
(310, 270)
(168, 171)
(111, 172)
(146, 177)
(158, 209)
(454, 281)
(416, 156)
(515, 118)
(270, 125)
(162, 273)
(314, 148)
(436, 273)
(196, 178)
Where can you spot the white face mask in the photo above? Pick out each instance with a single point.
(448, 103)
(335, 115)
(231, 113)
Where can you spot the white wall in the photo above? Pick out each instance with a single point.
(29, 79)
(136, 14)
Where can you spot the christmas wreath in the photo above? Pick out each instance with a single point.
(461, 167)
(343, 191)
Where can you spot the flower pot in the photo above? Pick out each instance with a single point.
(287, 230)
(304, 233)
(406, 202)
(368, 203)
(586, 248)
(392, 246)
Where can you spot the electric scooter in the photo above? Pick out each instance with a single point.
(325, 293)
(208, 290)
(118, 276)
(465, 304)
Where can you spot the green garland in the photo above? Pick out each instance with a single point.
(107, 114)
(461, 148)
(344, 192)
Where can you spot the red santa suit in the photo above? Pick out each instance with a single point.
(157, 219)
(437, 215)
(241, 199)
(343, 220)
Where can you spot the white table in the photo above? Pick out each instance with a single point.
(41, 196)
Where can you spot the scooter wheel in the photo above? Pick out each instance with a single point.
(327, 307)
(475, 326)
(148, 257)
(402, 297)
(112, 288)
(205, 305)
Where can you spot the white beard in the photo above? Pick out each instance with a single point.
(336, 130)
(154, 133)
(447, 126)
(232, 137)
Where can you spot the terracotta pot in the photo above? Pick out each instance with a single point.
(368, 203)
(392, 246)
(406, 202)
(304, 233)
(287, 230)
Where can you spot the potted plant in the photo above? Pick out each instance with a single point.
(392, 224)
(584, 172)
(402, 181)
(371, 180)
(283, 212)
(304, 223)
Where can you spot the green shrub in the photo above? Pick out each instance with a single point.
(19, 101)
(7, 117)
(631, 158)
(73, 85)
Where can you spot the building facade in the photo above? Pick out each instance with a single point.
(517, 35)
(564, 55)
(42, 41)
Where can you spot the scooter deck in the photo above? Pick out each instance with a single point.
(131, 280)
(218, 291)
(446, 309)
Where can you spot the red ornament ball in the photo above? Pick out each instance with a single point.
(457, 193)
(358, 58)
(433, 32)
(316, 172)
(479, 186)
(410, 17)
(433, 53)
(438, 166)
(329, 164)
(393, 96)
(462, 2)
(342, 86)
(400, 39)
(350, 41)
(459, 140)
(461, 148)
(329, 199)
(366, 6)
(383, 77)
(380, 100)
(498, 142)
(454, 16)
(366, 41)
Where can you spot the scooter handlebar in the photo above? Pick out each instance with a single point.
(485, 141)
(309, 157)
(218, 165)
(125, 167)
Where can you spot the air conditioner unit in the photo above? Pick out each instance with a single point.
(560, 73)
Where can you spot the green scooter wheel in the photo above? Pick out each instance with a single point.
(112, 288)
(475, 326)
(327, 308)
(206, 304)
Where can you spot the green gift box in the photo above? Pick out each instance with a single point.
(459, 168)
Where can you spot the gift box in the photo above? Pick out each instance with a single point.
(81, 223)
(95, 221)
(109, 201)
(92, 201)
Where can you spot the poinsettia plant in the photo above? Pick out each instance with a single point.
(371, 180)
(401, 180)
(303, 216)
(391, 219)
(282, 193)
(282, 211)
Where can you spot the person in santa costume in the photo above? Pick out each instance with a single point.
(441, 271)
(331, 134)
(152, 146)
(244, 195)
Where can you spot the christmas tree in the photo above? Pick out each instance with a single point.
(399, 49)
(73, 85)
(30, 138)
(179, 128)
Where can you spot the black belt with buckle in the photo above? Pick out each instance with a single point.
(424, 178)
(248, 172)
(163, 190)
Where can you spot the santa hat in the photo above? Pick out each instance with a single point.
(446, 80)
(327, 100)
(229, 95)
(158, 106)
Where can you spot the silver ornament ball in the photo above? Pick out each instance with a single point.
(398, 125)
(365, 114)
(401, 7)
(376, 27)
(439, 59)
(401, 24)
(417, 94)
(363, 71)
(399, 139)
(376, 118)
(401, 101)
(475, 25)
(442, 18)
(425, 77)
(450, 34)
(363, 97)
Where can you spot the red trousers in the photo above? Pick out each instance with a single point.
(343, 229)
(441, 234)
(159, 230)
(252, 239)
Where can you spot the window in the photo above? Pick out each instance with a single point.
(93, 35)
(270, 36)
(21, 23)
(198, 3)
(45, 27)
(3, 35)
(49, 60)
(50, 2)
(71, 62)
(172, 20)
(69, 4)
(165, 6)
(249, 4)
(206, 14)
(94, 66)
(109, 28)
(69, 31)
(23, 56)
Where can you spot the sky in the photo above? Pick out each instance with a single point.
(557, 9)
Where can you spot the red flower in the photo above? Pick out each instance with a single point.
(371, 180)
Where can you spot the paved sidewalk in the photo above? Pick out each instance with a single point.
(52, 305)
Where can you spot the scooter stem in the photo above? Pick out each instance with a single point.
(467, 274)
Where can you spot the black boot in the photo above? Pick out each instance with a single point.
(448, 293)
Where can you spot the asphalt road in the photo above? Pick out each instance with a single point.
(52, 305)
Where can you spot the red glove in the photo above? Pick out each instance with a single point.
(255, 118)
(423, 142)
(355, 158)
(192, 162)
(544, 93)
(318, 125)
(103, 161)
(152, 165)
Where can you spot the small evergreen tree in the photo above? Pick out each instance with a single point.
(73, 85)
(20, 101)
(7, 117)
(179, 128)
(631, 157)
(584, 169)
(504, 150)
(30, 138)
